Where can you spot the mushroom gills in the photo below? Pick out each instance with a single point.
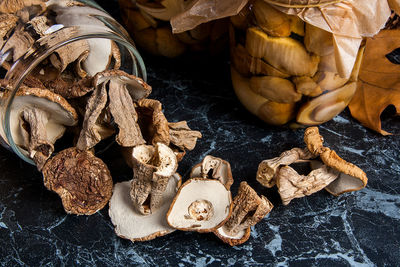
(200, 205)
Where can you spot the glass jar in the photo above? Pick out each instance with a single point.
(284, 70)
(45, 41)
(148, 22)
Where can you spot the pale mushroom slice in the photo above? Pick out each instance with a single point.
(268, 169)
(82, 181)
(152, 122)
(38, 118)
(214, 168)
(201, 205)
(132, 225)
(248, 210)
(293, 185)
(182, 138)
(153, 167)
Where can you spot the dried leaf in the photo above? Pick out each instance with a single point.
(379, 81)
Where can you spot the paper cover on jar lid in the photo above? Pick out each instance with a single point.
(348, 20)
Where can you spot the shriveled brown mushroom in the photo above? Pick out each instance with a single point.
(268, 169)
(119, 90)
(12, 6)
(293, 185)
(182, 138)
(214, 168)
(82, 181)
(38, 118)
(351, 177)
(152, 122)
(248, 210)
(153, 167)
(201, 205)
(132, 225)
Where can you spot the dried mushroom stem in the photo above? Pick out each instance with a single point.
(214, 168)
(313, 140)
(293, 185)
(153, 166)
(268, 169)
(39, 147)
(248, 209)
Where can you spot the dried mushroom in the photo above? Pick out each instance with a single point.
(182, 138)
(82, 181)
(112, 102)
(201, 205)
(213, 168)
(38, 118)
(268, 169)
(334, 174)
(293, 185)
(132, 225)
(12, 6)
(351, 177)
(153, 167)
(248, 209)
(152, 122)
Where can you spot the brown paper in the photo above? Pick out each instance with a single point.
(348, 20)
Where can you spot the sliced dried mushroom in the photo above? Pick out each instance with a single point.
(12, 6)
(293, 185)
(137, 88)
(38, 118)
(201, 205)
(248, 210)
(17, 44)
(153, 167)
(268, 169)
(7, 23)
(130, 224)
(152, 122)
(93, 130)
(82, 181)
(351, 177)
(214, 168)
(182, 138)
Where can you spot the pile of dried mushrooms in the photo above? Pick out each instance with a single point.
(81, 90)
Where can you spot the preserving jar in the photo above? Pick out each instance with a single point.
(59, 42)
(284, 70)
(148, 22)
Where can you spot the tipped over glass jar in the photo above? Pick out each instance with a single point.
(51, 51)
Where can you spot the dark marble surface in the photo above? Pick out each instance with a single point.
(360, 228)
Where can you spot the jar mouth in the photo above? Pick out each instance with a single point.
(44, 47)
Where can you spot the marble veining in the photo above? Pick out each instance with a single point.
(355, 229)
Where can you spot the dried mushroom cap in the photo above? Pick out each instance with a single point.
(152, 122)
(293, 185)
(248, 210)
(344, 182)
(82, 181)
(268, 169)
(37, 119)
(201, 205)
(153, 167)
(137, 88)
(130, 224)
(221, 170)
